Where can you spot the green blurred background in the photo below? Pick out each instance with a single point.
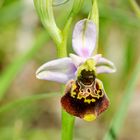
(30, 108)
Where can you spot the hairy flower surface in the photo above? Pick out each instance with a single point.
(84, 96)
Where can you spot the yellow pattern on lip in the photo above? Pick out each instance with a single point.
(74, 86)
(89, 117)
(89, 100)
(88, 90)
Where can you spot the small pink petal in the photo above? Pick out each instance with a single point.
(103, 65)
(104, 69)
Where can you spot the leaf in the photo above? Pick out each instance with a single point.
(45, 12)
(94, 16)
(119, 117)
(118, 15)
(59, 2)
(11, 12)
(10, 73)
(26, 100)
(135, 7)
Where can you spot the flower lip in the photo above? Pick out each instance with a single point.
(82, 105)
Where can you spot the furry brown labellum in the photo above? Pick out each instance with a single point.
(85, 101)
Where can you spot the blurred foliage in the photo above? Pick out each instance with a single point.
(25, 45)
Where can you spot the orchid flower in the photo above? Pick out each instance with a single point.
(85, 96)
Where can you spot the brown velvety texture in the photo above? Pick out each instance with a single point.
(78, 107)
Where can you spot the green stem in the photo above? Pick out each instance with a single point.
(67, 120)
(135, 7)
(67, 126)
(62, 47)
